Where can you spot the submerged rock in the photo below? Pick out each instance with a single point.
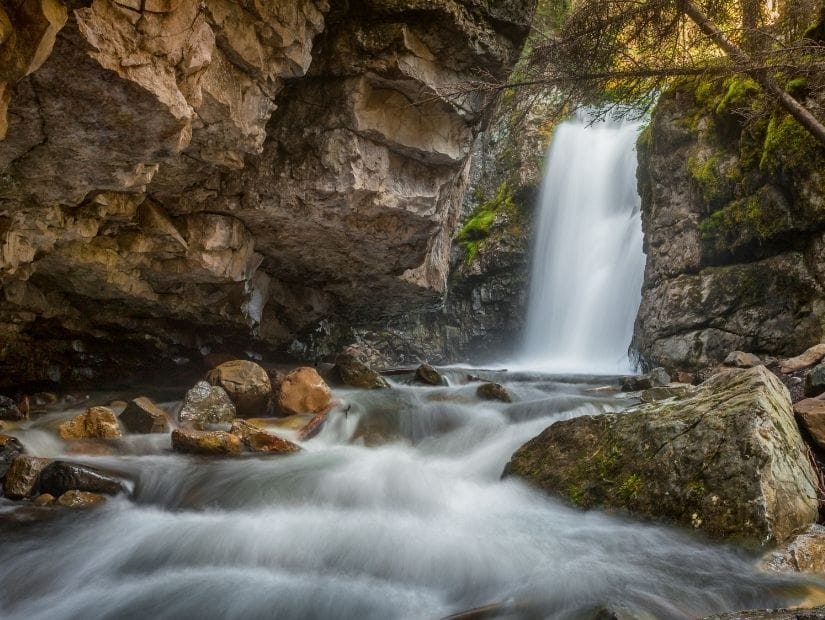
(59, 477)
(351, 371)
(23, 477)
(807, 359)
(303, 391)
(728, 460)
(655, 378)
(94, 423)
(45, 499)
(9, 410)
(207, 443)
(206, 404)
(80, 499)
(141, 415)
(259, 440)
(494, 391)
(429, 375)
(247, 385)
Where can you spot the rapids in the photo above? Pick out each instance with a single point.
(418, 524)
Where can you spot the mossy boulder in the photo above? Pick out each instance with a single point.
(728, 460)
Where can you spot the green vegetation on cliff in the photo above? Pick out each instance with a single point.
(479, 226)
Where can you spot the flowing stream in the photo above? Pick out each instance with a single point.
(395, 510)
(587, 263)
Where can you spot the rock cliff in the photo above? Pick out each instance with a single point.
(179, 177)
(734, 227)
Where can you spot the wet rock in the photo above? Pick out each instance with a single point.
(797, 613)
(80, 499)
(815, 380)
(494, 391)
(810, 414)
(141, 415)
(728, 460)
(94, 423)
(45, 499)
(9, 410)
(313, 427)
(259, 440)
(23, 477)
(807, 359)
(303, 391)
(740, 359)
(664, 392)
(805, 553)
(247, 385)
(655, 378)
(59, 477)
(351, 371)
(207, 443)
(206, 404)
(91, 447)
(429, 375)
(10, 449)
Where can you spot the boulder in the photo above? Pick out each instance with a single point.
(141, 415)
(429, 375)
(655, 378)
(728, 460)
(807, 359)
(810, 414)
(355, 373)
(815, 380)
(10, 449)
(94, 423)
(493, 391)
(23, 477)
(259, 440)
(740, 359)
(805, 553)
(9, 410)
(247, 385)
(80, 499)
(303, 391)
(206, 404)
(207, 443)
(59, 477)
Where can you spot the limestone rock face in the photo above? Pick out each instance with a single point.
(728, 459)
(179, 174)
(733, 240)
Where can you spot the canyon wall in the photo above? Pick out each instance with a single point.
(734, 219)
(181, 177)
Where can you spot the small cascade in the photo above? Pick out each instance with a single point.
(588, 260)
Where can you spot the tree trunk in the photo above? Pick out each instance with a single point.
(739, 56)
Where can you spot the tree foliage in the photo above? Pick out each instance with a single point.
(620, 54)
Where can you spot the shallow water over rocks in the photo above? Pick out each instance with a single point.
(410, 520)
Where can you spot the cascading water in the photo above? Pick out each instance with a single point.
(588, 261)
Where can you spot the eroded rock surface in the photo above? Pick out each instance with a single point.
(176, 176)
(729, 460)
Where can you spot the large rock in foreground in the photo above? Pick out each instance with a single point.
(728, 460)
(247, 385)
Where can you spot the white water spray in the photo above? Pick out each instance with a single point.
(588, 261)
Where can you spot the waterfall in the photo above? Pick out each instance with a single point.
(587, 262)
